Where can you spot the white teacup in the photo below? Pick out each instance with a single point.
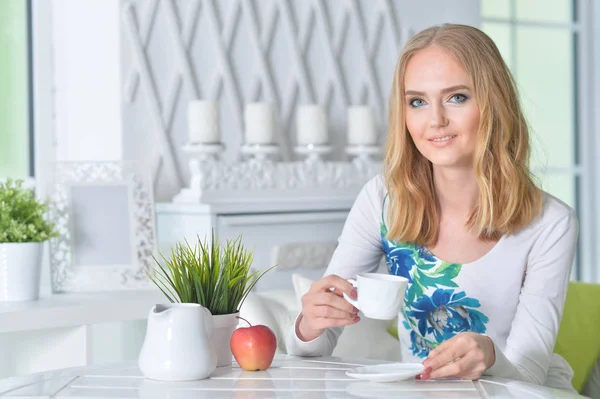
(380, 296)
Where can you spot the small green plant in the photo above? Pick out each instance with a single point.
(216, 276)
(22, 215)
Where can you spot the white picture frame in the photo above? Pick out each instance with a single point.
(104, 214)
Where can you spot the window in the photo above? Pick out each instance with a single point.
(545, 44)
(15, 109)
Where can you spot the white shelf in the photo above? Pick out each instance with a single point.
(270, 202)
(71, 310)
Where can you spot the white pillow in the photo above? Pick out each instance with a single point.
(301, 286)
(285, 297)
(368, 338)
(259, 310)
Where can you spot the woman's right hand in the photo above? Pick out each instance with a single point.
(323, 307)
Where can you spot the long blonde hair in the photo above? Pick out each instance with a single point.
(508, 198)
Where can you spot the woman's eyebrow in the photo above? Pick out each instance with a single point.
(446, 90)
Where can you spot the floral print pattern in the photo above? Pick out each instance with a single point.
(434, 309)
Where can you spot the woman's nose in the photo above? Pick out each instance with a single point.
(438, 117)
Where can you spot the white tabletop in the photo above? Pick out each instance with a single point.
(288, 377)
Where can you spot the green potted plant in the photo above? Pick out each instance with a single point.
(23, 230)
(214, 275)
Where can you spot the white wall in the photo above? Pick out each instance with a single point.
(87, 79)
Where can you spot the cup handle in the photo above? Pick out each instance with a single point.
(353, 302)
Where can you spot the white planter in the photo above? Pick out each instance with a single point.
(20, 265)
(223, 326)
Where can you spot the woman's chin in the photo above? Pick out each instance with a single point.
(451, 162)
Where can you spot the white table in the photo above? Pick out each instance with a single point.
(288, 377)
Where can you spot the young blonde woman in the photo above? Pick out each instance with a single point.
(487, 254)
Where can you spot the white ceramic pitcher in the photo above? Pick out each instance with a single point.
(178, 344)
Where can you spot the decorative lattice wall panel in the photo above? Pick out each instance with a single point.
(289, 52)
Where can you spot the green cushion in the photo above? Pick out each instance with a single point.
(393, 330)
(578, 338)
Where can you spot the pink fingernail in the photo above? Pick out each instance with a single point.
(356, 319)
(354, 294)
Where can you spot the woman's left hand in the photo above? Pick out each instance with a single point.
(467, 355)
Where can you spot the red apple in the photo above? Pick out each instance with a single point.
(253, 347)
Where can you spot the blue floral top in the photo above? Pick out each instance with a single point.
(434, 308)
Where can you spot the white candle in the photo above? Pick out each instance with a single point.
(203, 122)
(259, 121)
(311, 125)
(361, 126)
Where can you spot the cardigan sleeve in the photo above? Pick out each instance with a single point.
(359, 250)
(533, 332)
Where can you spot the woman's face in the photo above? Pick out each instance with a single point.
(441, 113)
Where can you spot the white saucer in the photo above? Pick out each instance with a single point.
(387, 372)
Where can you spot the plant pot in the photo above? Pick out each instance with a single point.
(223, 327)
(20, 265)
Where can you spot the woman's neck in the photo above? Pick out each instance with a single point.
(456, 190)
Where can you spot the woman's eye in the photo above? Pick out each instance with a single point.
(458, 98)
(416, 102)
